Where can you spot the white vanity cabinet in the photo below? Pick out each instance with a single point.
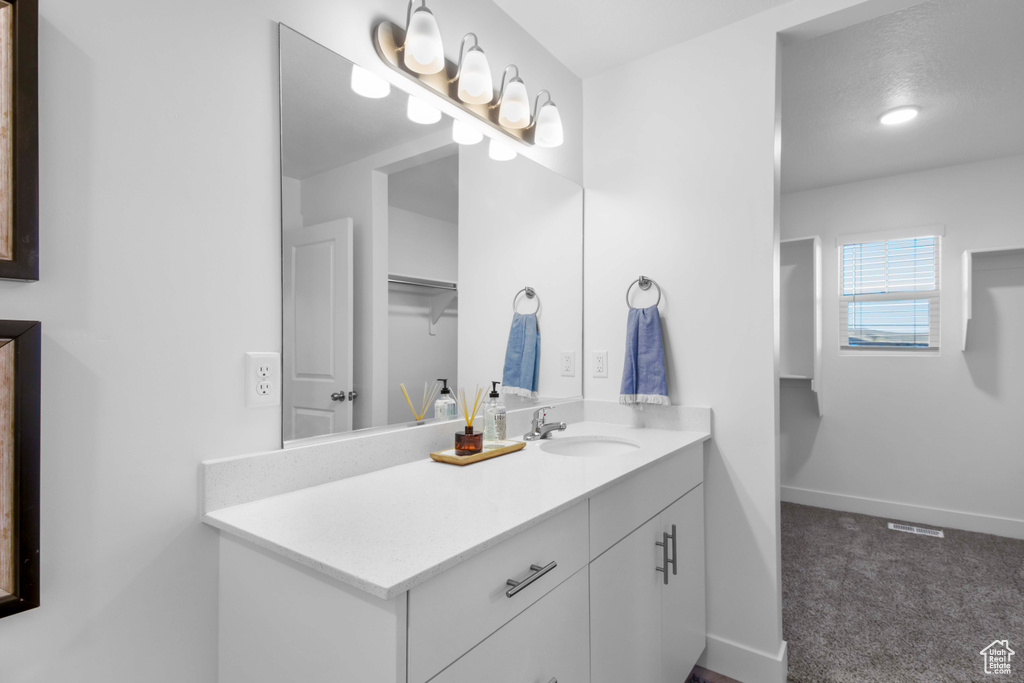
(585, 601)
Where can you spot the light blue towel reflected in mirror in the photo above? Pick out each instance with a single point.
(522, 357)
(643, 373)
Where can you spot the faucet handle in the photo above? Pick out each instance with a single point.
(541, 413)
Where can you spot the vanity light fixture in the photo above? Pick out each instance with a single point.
(424, 51)
(513, 101)
(899, 115)
(465, 134)
(499, 151)
(475, 85)
(547, 122)
(369, 84)
(419, 111)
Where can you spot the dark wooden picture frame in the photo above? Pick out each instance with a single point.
(20, 345)
(19, 140)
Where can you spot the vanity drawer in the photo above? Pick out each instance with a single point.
(550, 641)
(454, 611)
(616, 512)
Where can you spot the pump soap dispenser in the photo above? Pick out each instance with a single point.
(445, 407)
(494, 416)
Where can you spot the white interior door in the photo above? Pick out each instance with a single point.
(318, 390)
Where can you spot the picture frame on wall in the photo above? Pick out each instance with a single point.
(20, 345)
(19, 140)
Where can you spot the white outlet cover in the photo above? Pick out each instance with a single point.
(568, 364)
(600, 363)
(262, 379)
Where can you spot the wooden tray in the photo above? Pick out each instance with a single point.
(492, 449)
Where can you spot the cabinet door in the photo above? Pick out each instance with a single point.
(547, 642)
(625, 609)
(682, 615)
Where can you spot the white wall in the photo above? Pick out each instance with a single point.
(937, 432)
(528, 233)
(160, 267)
(680, 180)
(422, 246)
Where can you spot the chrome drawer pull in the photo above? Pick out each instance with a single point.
(538, 572)
(664, 555)
(675, 552)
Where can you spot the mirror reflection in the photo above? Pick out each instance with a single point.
(409, 258)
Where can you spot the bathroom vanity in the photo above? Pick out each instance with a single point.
(578, 561)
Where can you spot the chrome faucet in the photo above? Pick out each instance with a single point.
(540, 429)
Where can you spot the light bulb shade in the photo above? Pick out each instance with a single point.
(549, 127)
(369, 84)
(475, 84)
(514, 112)
(465, 134)
(419, 111)
(424, 51)
(499, 151)
(899, 115)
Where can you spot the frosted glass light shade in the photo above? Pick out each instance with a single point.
(514, 112)
(499, 151)
(424, 51)
(899, 115)
(419, 111)
(549, 127)
(465, 134)
(369, 84)
(475, 84)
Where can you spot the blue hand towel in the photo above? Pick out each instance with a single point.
(522, 357)
(643, 373)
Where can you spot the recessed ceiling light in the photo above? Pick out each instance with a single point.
(894, 117)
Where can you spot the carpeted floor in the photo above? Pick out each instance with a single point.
(861, 603)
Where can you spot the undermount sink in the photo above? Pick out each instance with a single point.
(589, 445)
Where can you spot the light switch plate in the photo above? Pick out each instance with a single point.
(600, 363)
(568, 364)
(262, 379)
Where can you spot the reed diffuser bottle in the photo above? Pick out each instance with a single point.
(468, 441)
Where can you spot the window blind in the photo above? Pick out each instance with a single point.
(889, 293)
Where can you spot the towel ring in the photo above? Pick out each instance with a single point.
(645, 284)
(530, 294)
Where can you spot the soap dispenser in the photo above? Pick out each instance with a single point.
(445, 407)
(494, 416)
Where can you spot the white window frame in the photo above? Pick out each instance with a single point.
(933, 296)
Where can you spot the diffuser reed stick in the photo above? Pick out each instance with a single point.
(464, 404)
(429, 394)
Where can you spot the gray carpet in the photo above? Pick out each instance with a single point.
(862, 603)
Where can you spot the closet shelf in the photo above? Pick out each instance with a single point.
(967, 271)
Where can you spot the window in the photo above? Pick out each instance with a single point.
(889, 292)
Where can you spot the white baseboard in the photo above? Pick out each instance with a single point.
(951, 519)
(742, 663)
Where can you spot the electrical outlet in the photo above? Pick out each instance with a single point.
(600, 363)
(262, 379)
(568, 363)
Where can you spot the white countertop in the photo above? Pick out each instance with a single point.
(389, 530)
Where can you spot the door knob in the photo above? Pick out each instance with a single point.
(352, 395)
(338, 396)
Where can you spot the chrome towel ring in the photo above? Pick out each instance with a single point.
(530, 294)
(645, 284)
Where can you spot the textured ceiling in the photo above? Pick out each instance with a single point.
(324, 124)
(595, 35)
(961, 61)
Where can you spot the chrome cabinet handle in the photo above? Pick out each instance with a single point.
(663, 543)
(338, 396)
(352, 395)
(675, 552)
(664, 555)
(538, 572)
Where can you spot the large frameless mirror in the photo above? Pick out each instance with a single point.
(409, 258)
